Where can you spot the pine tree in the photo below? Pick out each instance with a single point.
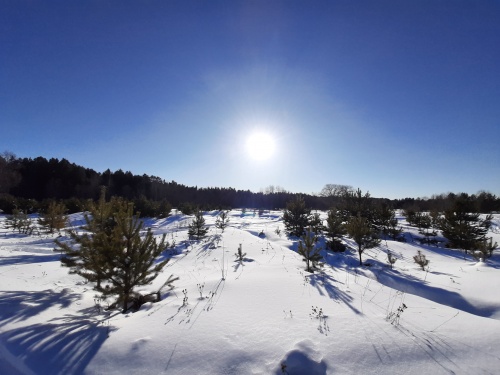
(316, 224)
(19, 221)
(382, 215)
(355, 203)
(462, 225)
(385, 221)
(485, 249)
(88, 259)
(197, 228)
(132, 258)
(392, 230)
(54, 217)
(411, 215)
(296, 216)
(86, 252)
(307, 248)
(164, 209)
(112, 253)
(13, 221)
(240, 255)
(360, 230)
(335, 229)
(222, 220)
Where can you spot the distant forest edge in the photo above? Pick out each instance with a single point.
(28, 184)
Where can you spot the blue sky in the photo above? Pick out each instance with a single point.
(400, 98)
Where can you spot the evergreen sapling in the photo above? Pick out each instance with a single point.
(307, 248)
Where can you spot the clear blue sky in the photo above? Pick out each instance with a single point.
(400, 98)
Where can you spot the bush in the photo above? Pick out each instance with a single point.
(54, 217)
(421, 260)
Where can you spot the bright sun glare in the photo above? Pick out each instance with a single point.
(260, 146)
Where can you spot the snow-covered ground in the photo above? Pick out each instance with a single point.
(266, 315)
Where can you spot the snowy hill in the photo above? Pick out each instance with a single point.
(265, 315)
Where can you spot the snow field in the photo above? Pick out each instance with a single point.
(256, 315)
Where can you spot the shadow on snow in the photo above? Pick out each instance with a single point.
(20, 305)
(63, 345)
(413, 285)
(326, 284)
(26, 259)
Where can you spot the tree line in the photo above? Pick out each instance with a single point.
(29, 184)
(25, 183)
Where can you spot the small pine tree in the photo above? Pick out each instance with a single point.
(307, 248)
(485, 249)
(360, 230)
(462, 226)
(88, 257)
(421, 260)
(296, 216)
(382, 216)
(132, 257)
(222, 220)
(392, 230)
(19, 221)
(197, 228)
(424, 222)
(386, 222)
(164, 209)
(316, 224)
(240, 255)
(113, 253)
(54, 217)
(335, 229)
(13, 221)
(355, 203)
(435, 218)
(411, 215)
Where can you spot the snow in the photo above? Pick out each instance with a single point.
(265, 315)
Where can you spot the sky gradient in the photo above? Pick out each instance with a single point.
(398, 98)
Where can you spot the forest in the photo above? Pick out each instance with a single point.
(29, 184)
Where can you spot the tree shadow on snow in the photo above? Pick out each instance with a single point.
(413, 285)
(238, 263)
(326, 284)
(26, 259)
(19, 305)
(62, 346)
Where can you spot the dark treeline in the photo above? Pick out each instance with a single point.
(27, 183)
(24, 180)
(483, 202)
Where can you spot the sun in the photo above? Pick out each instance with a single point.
(260, 146)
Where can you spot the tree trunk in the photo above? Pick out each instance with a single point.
(359, 252)
(125, 303)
